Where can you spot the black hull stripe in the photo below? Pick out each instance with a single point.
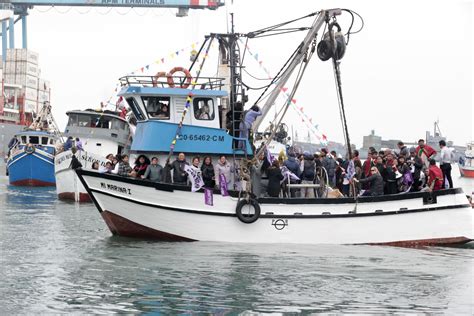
(168, 187)
(447, 207)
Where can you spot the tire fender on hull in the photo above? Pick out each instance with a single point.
(247, 218)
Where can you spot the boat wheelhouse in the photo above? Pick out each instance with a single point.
(101, 133)
(159, 110)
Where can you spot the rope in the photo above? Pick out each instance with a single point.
(188, 103)
(279, 72)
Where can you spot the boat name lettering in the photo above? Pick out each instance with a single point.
(83, 158)
(64, 158)
(203, 138)
(144, 2)
(113, 187)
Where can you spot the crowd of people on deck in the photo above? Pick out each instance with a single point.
(383, 172)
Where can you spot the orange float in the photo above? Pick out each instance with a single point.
(186, 73)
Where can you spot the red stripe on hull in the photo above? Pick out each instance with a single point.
(467, 173)
(71, 196)
(33, 183)
(426, 242)
(121, 226)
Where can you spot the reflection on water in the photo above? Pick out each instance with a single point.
(60, 258)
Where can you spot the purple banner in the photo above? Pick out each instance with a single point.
(208, 197)
(223, 184)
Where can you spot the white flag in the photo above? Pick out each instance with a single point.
(195, 177)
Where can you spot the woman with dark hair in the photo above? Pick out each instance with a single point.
(141, 163)
(207, 170)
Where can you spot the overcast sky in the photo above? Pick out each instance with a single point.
(411, 65)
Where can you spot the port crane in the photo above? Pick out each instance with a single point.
(11, 8)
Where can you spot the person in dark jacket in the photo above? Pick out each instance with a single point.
(141, 164)
(339, 174)
(293, 166)
(404, 152)
(274, 178)
(179, 175)
(329, 163)
(375, 180)
(416, 165)
(69, 143)
(308, 175)
(208, 174)
(390, 176)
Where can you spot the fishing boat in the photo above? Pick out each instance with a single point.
(466, 163)
(101, 133)
(165, 211)
(31, 158)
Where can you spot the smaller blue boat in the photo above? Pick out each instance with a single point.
(31, 155)
(31, 161)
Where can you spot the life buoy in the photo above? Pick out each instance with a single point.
(29, 149)
(186, 73)
(159, 74)
(247, 218)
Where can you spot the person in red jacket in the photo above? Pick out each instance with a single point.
(435, 176)
(425, 152)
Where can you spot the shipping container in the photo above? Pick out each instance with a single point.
(28, 68)
(10, 67)
(43, 96)
(26, 81)
(30, 94)
(22, 54)
(30, 106)
(43, 85)
(10, 55)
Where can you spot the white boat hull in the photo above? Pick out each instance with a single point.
(137, 208)
(68, 185)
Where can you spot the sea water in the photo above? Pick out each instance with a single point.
(59, 257)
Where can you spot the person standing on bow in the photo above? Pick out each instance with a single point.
(425, 152)
(445, 164)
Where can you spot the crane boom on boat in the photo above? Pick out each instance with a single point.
(321, 18)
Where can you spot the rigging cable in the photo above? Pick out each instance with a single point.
(299, 77)
(280, 72)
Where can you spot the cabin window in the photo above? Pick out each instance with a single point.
(203, 109)
(72, 120)
(51, 141)
(23, 140)
(102, 122)
(83, 121)
(34, 140)
(44, 140)
(118, 125)
(136, 109)
(157, 107)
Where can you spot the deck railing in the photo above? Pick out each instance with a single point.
(203, 83)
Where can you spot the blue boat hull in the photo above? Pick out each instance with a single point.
(33, 169)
